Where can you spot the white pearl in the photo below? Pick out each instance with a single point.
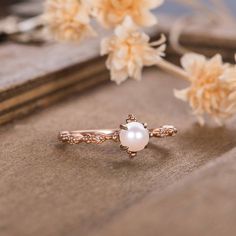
(135, 138)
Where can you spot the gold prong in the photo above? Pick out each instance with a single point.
(131, 118)
(132, 154)
(123, 148)
(175, 131)
(145, 125)
(124, 127)
(151, 134)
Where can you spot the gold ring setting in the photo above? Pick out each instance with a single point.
(133, 136)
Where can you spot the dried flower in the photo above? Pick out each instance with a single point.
(68, 20)
(129, 50)
(213, 87)
(111, 13)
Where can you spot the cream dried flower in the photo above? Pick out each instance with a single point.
(129, 50)
(68, 20)
(111, 13)
(213, 87)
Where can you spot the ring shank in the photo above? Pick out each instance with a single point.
(89, 136)
(100, 136)
(99, 131)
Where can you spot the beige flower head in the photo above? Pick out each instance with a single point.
(129, 50)
(111, 13)
(213, 87)
(68, 20)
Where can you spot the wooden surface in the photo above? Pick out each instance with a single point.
(44, 72)
(178, 186)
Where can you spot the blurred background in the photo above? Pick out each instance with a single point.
(35, 6)
(188, 27)
(171, 7)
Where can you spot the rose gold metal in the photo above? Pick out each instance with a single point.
(131, 118)
(124, 127)
(89, 136)
(123, 148)
(103, 135)
(145, 125)
(132, 154)
(164, 131)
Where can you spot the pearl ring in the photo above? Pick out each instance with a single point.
(132, 136)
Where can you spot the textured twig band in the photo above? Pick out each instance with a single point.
(133, 136)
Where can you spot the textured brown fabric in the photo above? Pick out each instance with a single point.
(50, 189)
(204, 204)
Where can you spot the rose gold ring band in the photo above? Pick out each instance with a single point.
(102, 135)
(133, 134)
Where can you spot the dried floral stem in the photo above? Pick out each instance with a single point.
(172, 69)
(175, 33)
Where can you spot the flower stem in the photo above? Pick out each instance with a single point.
(173, 69)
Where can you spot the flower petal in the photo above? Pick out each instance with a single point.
(182, 94)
